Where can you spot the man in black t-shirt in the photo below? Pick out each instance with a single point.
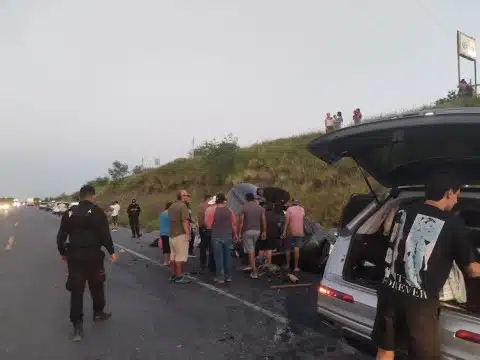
(425, 240)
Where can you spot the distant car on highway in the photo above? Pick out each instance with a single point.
(5, 207)
(73, 204)
(60, 207)
(43, 205)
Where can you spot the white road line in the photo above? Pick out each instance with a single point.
(279, 318)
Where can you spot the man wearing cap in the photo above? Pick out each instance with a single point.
(252, 226)
(179, 217)
(293, 233)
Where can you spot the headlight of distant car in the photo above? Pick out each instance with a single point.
(4, 207)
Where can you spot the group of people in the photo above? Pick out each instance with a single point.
(219, 229)
(335, 122)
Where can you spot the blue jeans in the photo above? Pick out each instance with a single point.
(222, 249)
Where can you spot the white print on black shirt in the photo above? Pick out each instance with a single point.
(419, 245)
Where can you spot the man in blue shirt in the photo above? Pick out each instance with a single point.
(165, 234)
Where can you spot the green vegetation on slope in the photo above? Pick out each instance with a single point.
(217, 166)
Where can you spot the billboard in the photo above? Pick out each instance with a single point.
(466, 46)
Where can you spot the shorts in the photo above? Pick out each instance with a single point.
(165, 244)
(268, 244)
(115, 219)
(407, 323)
(292, 242)
(179, 248)
(249, 239)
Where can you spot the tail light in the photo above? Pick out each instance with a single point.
(468, 336)
(326, 291)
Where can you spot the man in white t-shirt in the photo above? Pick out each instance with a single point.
(115, 212)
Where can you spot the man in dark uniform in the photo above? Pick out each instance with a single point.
(86, 227)
(133, 212)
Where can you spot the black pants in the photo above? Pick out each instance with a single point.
(81, 271)
(204, 246)
(409, 323)
(190, 243)
(135, 226)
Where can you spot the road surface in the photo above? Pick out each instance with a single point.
(152, 319)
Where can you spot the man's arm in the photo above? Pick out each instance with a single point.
(463, 251)
(264, 222)
(63, 233)
(233, 220)
(473, 270)
(240, 222)
(105, 235)
(209, 217)
(286, 224)
(186, 221)
(139, 209)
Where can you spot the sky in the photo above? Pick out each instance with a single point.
(84, 83)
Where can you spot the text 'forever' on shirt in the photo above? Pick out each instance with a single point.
(423, 245)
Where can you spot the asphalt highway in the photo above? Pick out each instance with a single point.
(152, 319)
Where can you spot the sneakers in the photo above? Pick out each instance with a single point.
(219, 280)
(172, 278)
(181, 280)
(228, 279)
(77, 334)
(254, 275)
(102, 316)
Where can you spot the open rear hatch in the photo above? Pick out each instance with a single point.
(273, 194)
(406, 150)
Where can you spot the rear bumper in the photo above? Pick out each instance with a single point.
(346, 325)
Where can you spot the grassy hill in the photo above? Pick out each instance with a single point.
(285, 163)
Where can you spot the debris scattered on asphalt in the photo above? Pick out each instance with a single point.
(121, 250)
(16, 224)
(227, 337)
(293, 278)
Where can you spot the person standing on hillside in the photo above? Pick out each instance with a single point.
(165, 234)
(133, 212)
(86, 228)
(252, 226)
(329, 123)
(223, 222)
(179, 218)
(293, 233)
(204, 238)
(115, 207)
